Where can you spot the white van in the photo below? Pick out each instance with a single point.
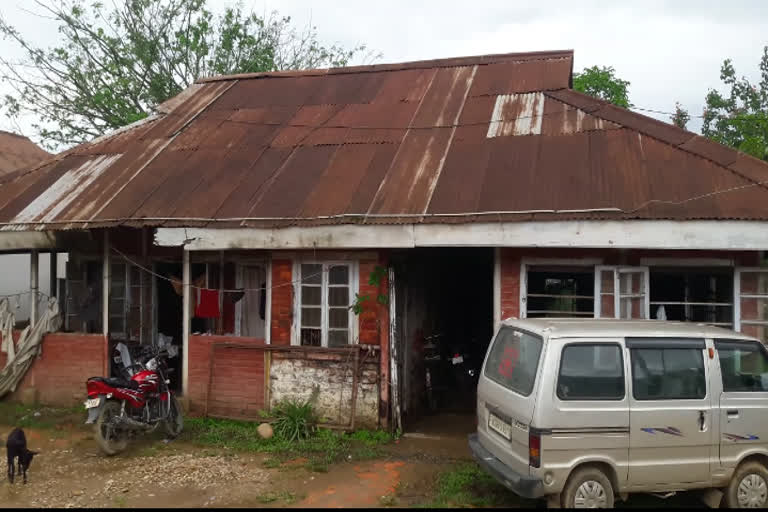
(584, 412)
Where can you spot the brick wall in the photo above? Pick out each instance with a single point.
(282, 302)
(510, 284)
(237, 386)
(58, 376)
(373, 315)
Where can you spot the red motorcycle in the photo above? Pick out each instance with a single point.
(121, 407)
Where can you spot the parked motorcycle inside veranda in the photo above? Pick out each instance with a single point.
(136, 403)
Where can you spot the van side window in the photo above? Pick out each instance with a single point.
(743, 365)
(513, 360)
(668, 374)
(591, 372)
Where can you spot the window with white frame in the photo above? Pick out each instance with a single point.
(129, 300)
(558, 291)
(325, 292)
(751, 294)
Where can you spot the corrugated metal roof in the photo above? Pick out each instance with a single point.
(17, 151)
(498, 137)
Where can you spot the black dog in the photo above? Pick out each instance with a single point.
(16, 445)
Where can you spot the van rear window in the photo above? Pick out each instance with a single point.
(514, 359)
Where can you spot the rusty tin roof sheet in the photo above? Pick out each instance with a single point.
(17, 152)
(495, 137)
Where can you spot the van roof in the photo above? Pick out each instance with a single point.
(582, 327)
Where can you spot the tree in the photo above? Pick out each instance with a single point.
(681, 116)
(602, 82)
(740, 118)
(116, 63)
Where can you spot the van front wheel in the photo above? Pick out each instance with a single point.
(588, 488)
(748, 487)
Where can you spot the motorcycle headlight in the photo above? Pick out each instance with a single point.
(152, 364)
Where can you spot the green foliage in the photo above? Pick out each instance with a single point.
(118, 60)
(740, 118)
(322, 449)
(602, 82)
(23, 416)
(375, 278)
(296, 420)
(681, 117)
(467, 485)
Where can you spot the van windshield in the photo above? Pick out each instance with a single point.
(514, 359)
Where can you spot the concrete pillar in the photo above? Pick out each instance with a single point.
(496, 289)
(33, 287)
(185, 328)
(54, 267)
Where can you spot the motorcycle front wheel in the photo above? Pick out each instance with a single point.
(174, 424)
(111, 439)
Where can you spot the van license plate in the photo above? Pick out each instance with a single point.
(498, 425)
(91, 403)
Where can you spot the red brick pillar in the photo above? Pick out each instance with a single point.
(282, 302)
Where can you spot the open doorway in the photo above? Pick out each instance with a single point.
(170, 313)
(444, 324)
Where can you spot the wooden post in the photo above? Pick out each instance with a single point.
(106, 280)
(185, 328)
(33, 287)
(220, 326)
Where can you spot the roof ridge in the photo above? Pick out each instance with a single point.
(396, 66)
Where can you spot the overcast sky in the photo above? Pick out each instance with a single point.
(670, 50)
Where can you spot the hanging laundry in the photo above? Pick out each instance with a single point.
(234, 296)
(208, 304)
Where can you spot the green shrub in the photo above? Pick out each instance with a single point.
(295, 420)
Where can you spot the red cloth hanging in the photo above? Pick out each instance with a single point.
(208, 305)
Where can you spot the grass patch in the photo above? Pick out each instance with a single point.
(467, 485)
(39, 416)
(284, 497)
(272, 462)
(322, 449)
(388, 500)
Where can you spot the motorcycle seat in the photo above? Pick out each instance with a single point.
(116, 382)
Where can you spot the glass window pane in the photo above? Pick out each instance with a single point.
(668, 374)
(311, 337)
(338, 296)
(591, 372)
(632, 307)
(631, 283)
(606, 280)
(513, 360)
(116, 324)
(311, 274)
(310, 317)
(744, 366)
(338, 338)
(311, 295)
(338, 275)
(338, 318)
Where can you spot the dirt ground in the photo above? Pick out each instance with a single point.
(70, 471)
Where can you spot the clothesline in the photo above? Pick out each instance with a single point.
(223, 290)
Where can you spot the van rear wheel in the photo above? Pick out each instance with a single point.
(748, 487)
(587, 488)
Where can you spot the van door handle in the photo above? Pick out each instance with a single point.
(733, 413)
(702, 425)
